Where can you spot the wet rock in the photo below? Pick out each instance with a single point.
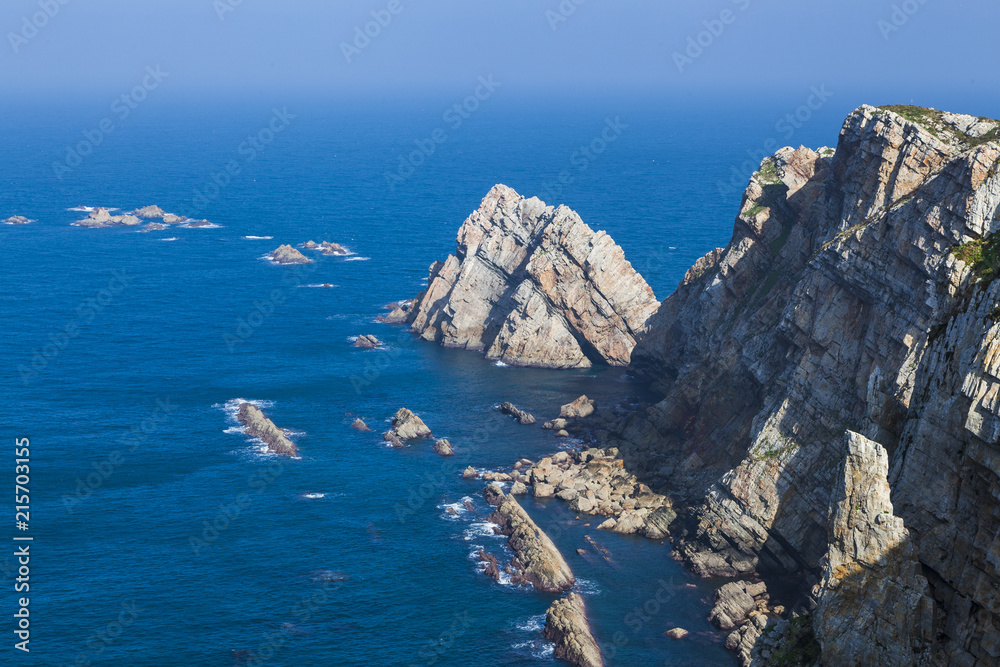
(581, 407)
(443, 447)
(367, 342)
(359, 425)
(407, 426)
(259, 426)
(17, 220)
(149, 212)
(520, 415)
(470, 473)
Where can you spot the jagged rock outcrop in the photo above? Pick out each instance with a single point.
(875, 606)
(443, 447)
(360, 425)
(856, 293)
(367, 342)
(532, 285)
(101, 217)
(286, 254)
(149, 212)
(407, 426)
(577, 409)
(517, 413)
(566, 625)
(259, 426)
(17, 220)
(536, 561)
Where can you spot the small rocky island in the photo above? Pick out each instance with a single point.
(17, 220)
(532, 285)
(259, 426)
(286, 254)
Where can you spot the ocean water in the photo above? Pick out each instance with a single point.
(162, 534)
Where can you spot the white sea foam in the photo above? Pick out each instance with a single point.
(257, 238)
(532, 624)
(588, 587)
(326, 285)
(500, 364)
(357, 259)
(480, 529)
(172, 238)
(313, 496)
(210, 225)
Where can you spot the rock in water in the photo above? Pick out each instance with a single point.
(566, 625)
(360, 425)
(17, 220)
(406, 426)
(517, 413)
(871, 555)
(443, 447)
(399, 313)
(536, 558)
(259, 426)
(332, 248)
(149, 212)
(581, 407)
(532, 285)
(367, 342)
(286, 254)
(677, 633)
(171, 219)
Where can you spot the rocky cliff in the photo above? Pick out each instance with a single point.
(532, 285)
(856, 294)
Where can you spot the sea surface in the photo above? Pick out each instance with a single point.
(165, 536)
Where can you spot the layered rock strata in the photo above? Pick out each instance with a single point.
(566, 625)
(532, 285)
(259, 426)
(536, 560)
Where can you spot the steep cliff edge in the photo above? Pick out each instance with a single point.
(856, 294)
(532, 285)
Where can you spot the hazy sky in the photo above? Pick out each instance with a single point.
(891, 46)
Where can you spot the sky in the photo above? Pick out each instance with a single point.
(931, 51)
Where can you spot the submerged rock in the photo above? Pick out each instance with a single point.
(286, 254)
(259, 426)
(528, 283)
(153, 227)
(567, 627)
(536, 559)
(520, 415)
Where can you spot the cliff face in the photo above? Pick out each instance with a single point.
(855, 294)
(532, 285)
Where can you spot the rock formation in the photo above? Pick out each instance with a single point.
(407, 426)
(536, 561)
(856, 294)
(359, 425)
(566, 625)
(367, 342)
(149, 212)
(875, 606)
(286, 254)
(259, 426)
(443, 447)
(171, 219)
(399, 313)
(532, 285)
(517, 413)
(17, 220)
(153, 227)
(332, 248)
(581, 407)
(101, 217)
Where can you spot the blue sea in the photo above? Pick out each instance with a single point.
(162, 535)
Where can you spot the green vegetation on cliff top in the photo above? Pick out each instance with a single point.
(933, 121)
(983, 254)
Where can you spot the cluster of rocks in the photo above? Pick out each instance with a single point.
(517, 413)
(367, 342)
(578, 409)
(532, 285)
(536, 560)
(405, 426)
(567, 627)
(17, 220)
(101, 217)
(594, 481)
(326, 247)
(259, 426)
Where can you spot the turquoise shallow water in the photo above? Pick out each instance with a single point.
(222, 555)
